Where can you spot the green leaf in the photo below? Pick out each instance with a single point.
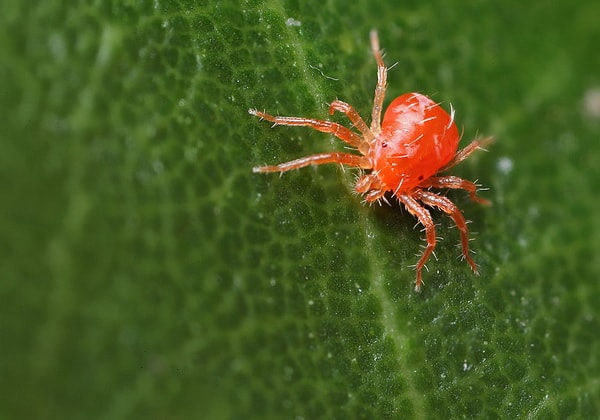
(147, 272)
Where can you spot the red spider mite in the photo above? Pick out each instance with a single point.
(403, 155)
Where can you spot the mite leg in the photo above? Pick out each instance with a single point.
(371, 187)
(455, 182)
(319, 159)
(448, 207)
(425, 219)
(381, 85)
(464, 153)
(337, 130)
(357, 121)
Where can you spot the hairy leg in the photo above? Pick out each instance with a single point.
(371, 187)
(448, 207)
(337, 130)
(464, 153)
(425, 219)
(381, 85)
(455, 182)
(353, 116)
(319, 159)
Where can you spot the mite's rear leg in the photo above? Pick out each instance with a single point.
(425, 219)
(319, 159)
(464, 153)
(448, 207)
(337, 130)
(454, 182)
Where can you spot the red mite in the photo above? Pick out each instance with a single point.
(403, 155)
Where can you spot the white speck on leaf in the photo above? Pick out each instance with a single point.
(591, 103)
(505, 165)
(57, 46)
(292, 22)
(158, 166)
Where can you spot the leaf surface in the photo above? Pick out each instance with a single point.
(146, 271)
